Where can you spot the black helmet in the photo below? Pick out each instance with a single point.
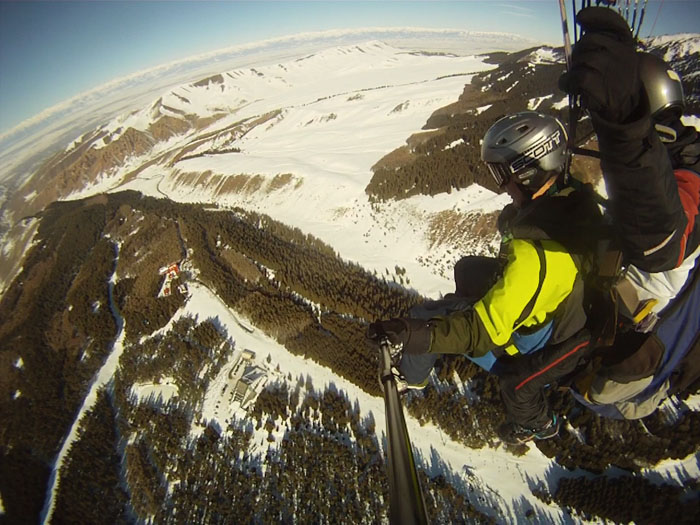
(662, 86)
(527, 146)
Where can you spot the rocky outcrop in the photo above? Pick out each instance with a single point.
(216, 79)
(167, 127)
(84, 165)
(105, 160)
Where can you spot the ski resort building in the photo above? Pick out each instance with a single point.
(250, 385)
(247, 379)
(171, 272)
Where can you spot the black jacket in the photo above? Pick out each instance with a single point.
(645, 206)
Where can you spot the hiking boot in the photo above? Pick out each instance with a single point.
(516, 434)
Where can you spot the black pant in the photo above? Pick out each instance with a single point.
(523, 378)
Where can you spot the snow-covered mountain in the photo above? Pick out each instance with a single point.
(302, 138)
(299, 139)
(25, 147)
(296, 139)
(682, 51)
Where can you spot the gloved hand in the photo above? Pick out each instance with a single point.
(413, 334)
(605, 66)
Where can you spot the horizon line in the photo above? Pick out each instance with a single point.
(55, 108)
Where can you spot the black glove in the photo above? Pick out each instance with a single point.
(414, 334)
(605, 66)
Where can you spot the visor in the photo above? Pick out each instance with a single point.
(499, 172)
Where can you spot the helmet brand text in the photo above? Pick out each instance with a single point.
(534, 153)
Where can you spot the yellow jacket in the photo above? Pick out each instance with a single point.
(540, 282)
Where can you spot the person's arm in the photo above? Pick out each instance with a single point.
(526, 294)
(493, 319)
(644, 202)
(645, 206)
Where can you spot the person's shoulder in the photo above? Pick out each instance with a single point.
(506, 219)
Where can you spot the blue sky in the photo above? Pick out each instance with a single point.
(51, 51)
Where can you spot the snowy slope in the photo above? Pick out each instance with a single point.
(20, 146)
(679, 45)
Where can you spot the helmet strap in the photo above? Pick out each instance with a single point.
(545, 187)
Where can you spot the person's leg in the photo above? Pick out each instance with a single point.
(522, 382)
(474, 275)
(446, 305)
(416, 368)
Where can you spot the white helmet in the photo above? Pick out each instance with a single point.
(526, 146)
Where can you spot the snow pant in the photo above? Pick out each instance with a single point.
(474, 275)
(524, 377)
